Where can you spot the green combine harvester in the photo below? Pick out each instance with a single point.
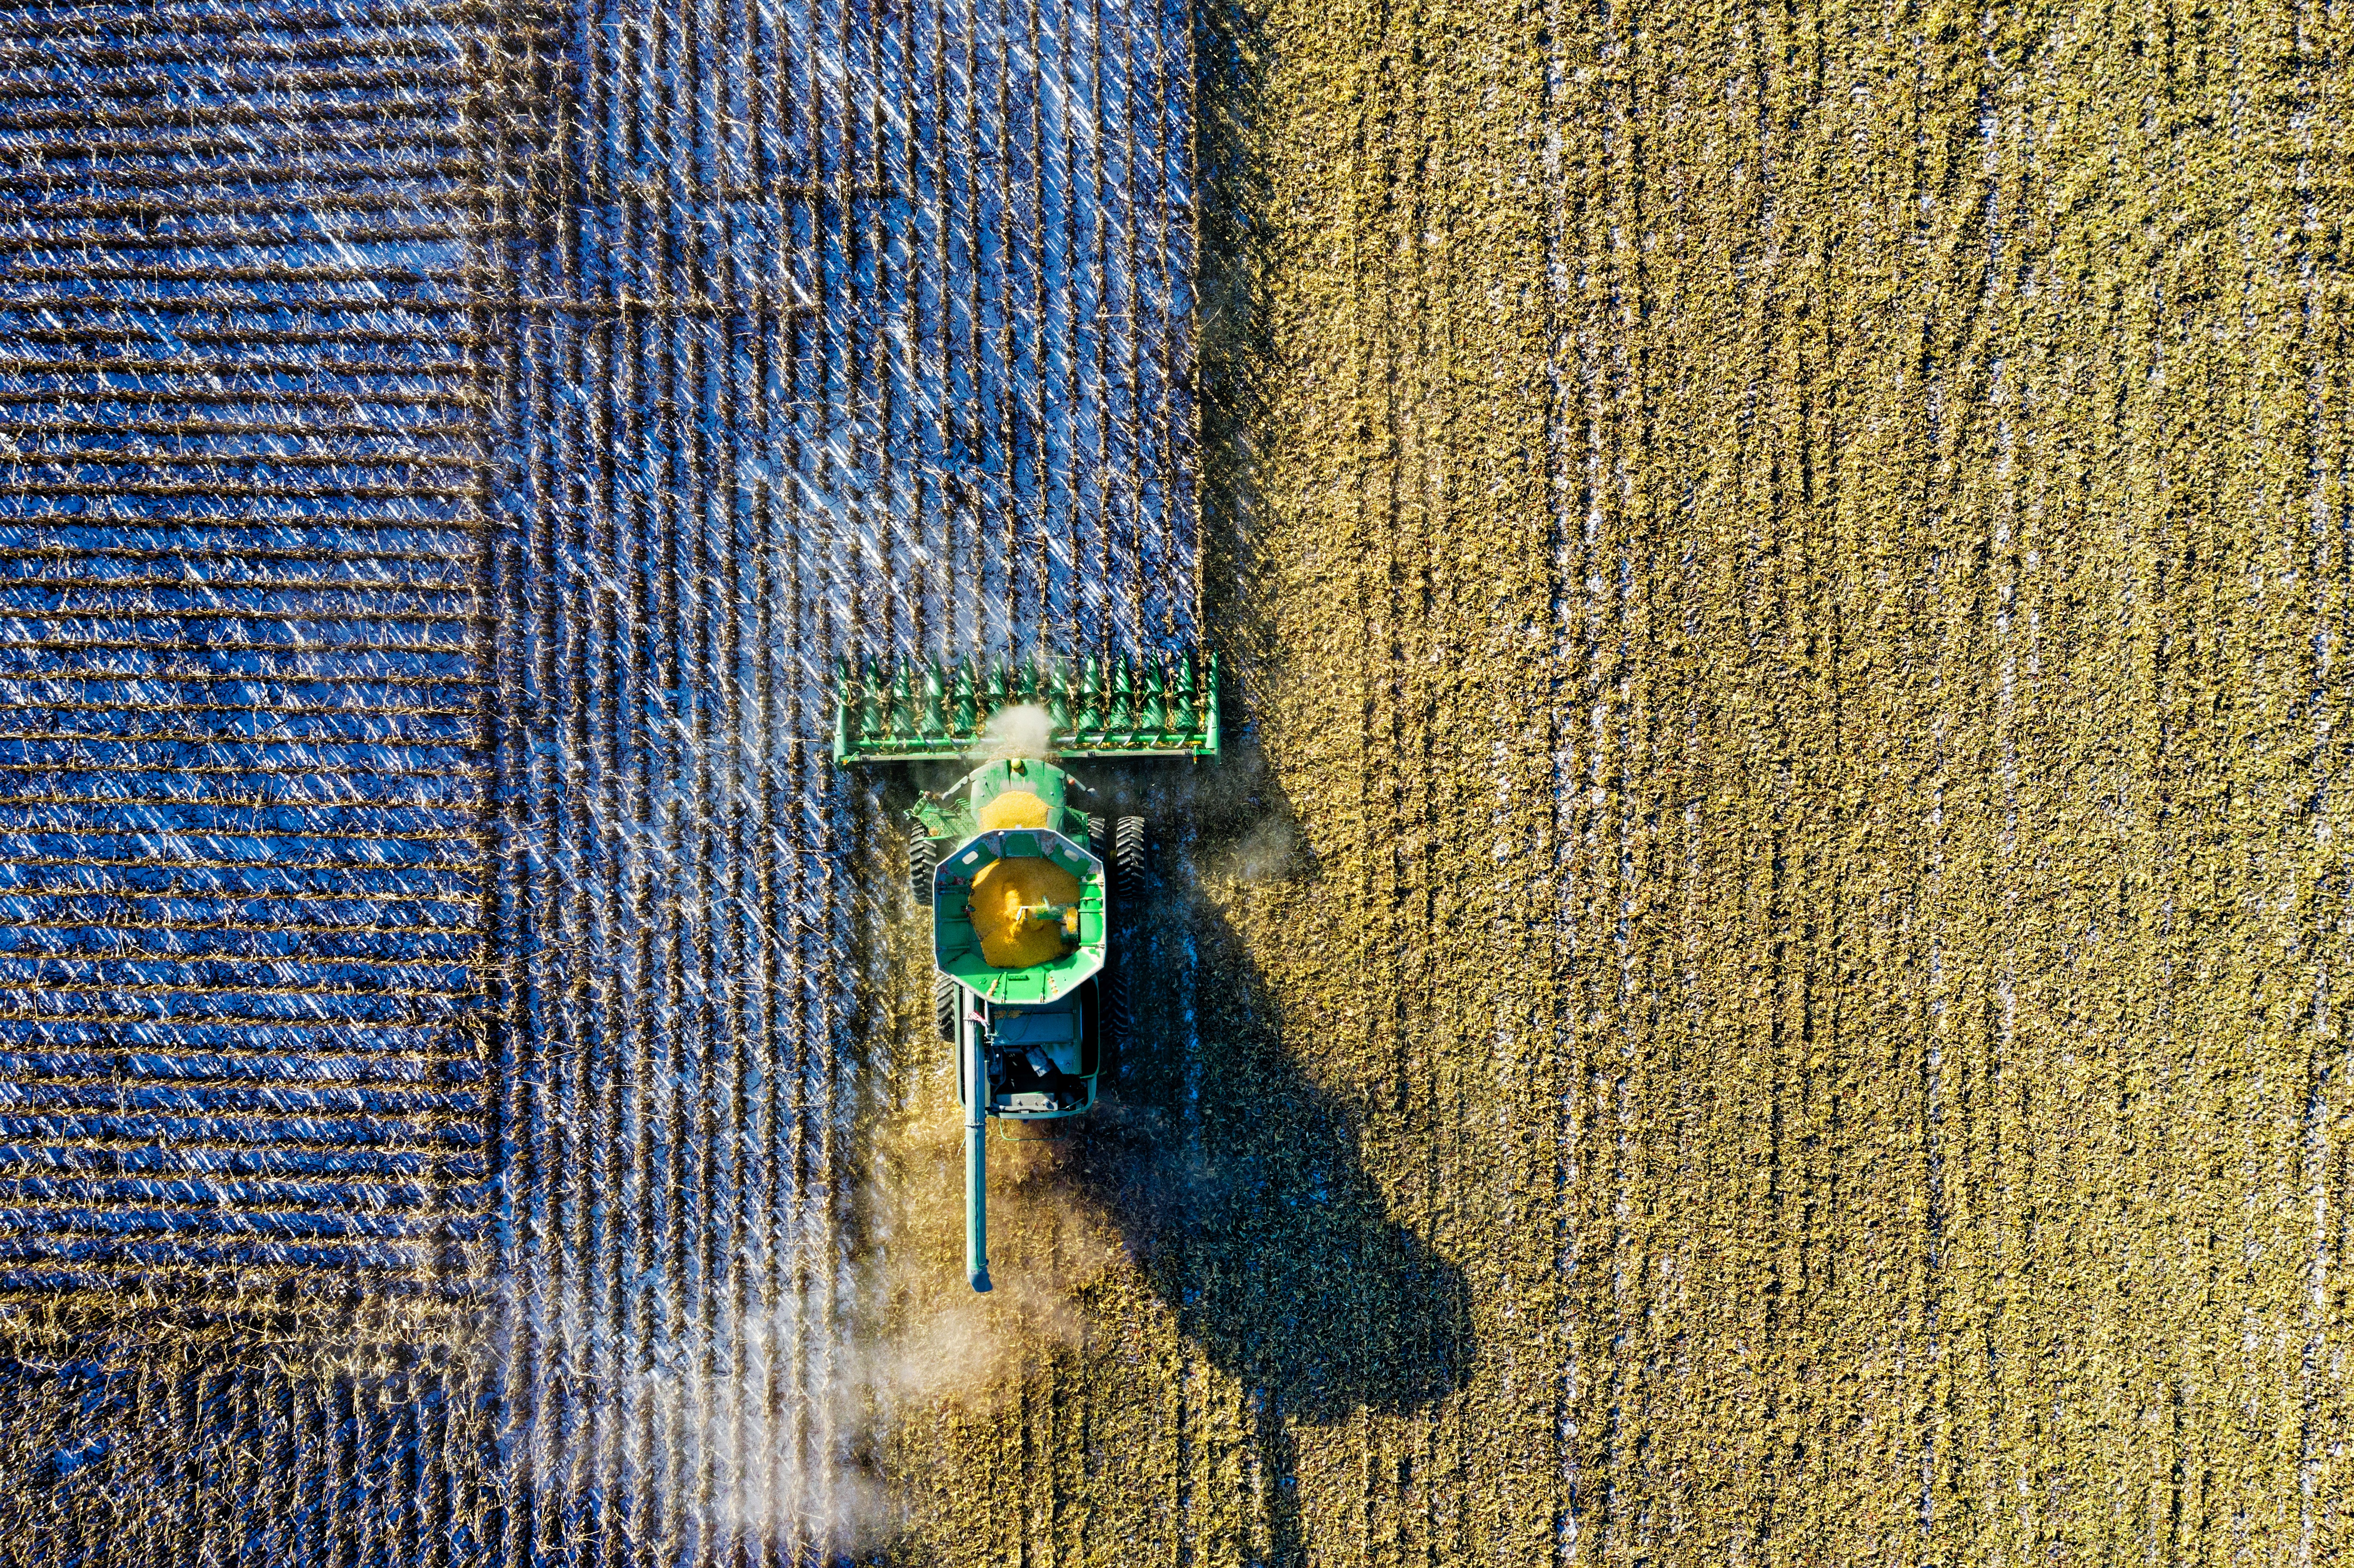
(1020, 878)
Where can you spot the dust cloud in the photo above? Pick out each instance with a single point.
(780, 1419)
(767, 1423)
(1025, 729)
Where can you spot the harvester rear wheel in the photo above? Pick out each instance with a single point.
(944, 1007)
(923, 855)
(1112, 1018)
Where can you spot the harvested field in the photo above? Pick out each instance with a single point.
(1775, 994)
(1759, 981)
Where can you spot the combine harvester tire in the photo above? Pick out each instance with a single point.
(923, 858)
(1129, 863)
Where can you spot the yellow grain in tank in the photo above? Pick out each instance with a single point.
(1013, 808)
(1003, 888)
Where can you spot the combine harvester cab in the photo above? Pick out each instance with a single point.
(1019, 881)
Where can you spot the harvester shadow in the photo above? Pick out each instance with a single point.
(1235, 1179)
(1236, 1183)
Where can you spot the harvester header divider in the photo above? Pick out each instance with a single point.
(906, 711)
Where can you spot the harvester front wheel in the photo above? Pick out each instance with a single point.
(944, 1007)
(923, 856)
(1116, 996)
(1127, 862)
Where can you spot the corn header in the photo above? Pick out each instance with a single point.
(1017, 874)
(1093, 707)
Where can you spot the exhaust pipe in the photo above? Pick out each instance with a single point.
(976, 1159)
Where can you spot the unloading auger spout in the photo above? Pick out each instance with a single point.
(976, 1164)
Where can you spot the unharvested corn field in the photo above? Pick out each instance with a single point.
(1763, 979)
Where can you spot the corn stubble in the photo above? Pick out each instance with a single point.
(1790, 577)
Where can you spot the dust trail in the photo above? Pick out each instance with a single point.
(745, 1424)
(767, 1423)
